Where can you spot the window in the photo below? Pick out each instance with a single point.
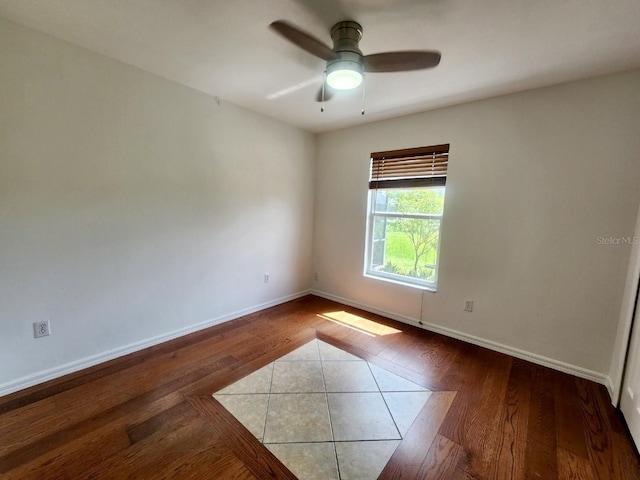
(405, 215)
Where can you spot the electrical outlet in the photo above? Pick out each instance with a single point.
(41, 329)
(468, 305)
(315, 276)
(266, 278)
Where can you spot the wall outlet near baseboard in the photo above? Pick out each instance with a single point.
(315, 276)
(41, 329)
(266, 278)
(468, 305)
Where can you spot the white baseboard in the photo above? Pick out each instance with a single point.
(491, 345)
(608, 382)
(71, 367)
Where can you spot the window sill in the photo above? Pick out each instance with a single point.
(428, 288)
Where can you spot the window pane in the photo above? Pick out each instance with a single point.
(414, 200)
(410, 247)
(379, 240)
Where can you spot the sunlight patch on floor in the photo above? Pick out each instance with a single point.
(361, 324)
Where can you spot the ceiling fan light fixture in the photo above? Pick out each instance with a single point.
(344, 75)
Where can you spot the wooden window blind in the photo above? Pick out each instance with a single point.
(410, 168)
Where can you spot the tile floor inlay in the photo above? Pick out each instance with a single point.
(324, 413)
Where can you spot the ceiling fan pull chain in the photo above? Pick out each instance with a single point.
(324, 81)
(364, 81)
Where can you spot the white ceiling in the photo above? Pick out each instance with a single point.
(225, 48)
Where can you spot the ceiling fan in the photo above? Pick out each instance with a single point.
(345, 62)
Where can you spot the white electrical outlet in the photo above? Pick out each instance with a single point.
(41, 329)
(266, 278)
(468, 305)
(315, 276)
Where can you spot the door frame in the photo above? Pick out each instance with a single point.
(628, 306)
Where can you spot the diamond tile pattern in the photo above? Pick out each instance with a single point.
(325, 413)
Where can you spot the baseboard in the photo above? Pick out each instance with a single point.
(71, 367)
(608, 382)
(580, 372)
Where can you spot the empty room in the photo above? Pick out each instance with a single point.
(333, 240)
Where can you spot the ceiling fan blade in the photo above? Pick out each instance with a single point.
(401, 61)
(303, 40)
(328, 93)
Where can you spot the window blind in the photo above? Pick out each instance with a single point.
(410, 168)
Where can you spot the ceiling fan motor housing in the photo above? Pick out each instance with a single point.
(346, 36)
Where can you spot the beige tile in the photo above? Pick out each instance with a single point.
(390, 382)
(348, 377)
(329, 352)
(256, 382)
(306, 353)
(249, 409)
(405, 407)
(361, 416)
(308, 461)
(297, 377)
(364, 460)
(297, 417)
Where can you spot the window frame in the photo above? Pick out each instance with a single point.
(404, 181)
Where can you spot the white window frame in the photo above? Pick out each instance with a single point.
(406, 169)
(393, 277)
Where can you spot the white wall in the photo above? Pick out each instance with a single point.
(132, 208)
(534, 179)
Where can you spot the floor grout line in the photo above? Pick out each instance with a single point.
(385, 401)
(266, 413)
(326, 396)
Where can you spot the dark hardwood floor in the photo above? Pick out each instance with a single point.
(150, 414)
